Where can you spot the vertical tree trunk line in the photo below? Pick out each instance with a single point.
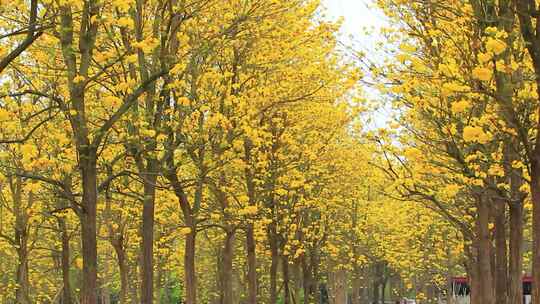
(190, 276)
(226, 269)
(252, 264)
(515, 286)
(88, 229)
(66, 292)
(501, 253)
(147, 231)
(483, 250)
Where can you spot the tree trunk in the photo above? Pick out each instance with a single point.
(338, 286)
(515, 286)
(147, 269)
(190, 276)
(22, 292)
(252, 265)
(123, 269)
(383, 290)
(501, 254)
(377, 280)
(88, 229)
(286, 280)
(535, 189)
(226, 269)
(104, 291)
(474, 277)
(356, 286)
(66, 292)
(273, 270)
(485, 283)
(314, 257)
(307, 280)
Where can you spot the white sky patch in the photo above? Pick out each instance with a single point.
(362, 20)
(360, 31)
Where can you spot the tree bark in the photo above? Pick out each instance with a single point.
(122, 268)
(501, 254)
(250, 237)
(190, 276)
(535, 189)
(338, 286)
(286, 280)
(88, 229)
(526, 13)
(252, 265)
(226, 269)
(147, 269)
(485, 283)
(22, 292)
(273, 269)
(66, 292)
(515, 286)
(307, 280)
(356, 287)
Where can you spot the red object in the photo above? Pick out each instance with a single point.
(526, 279)
(460, 279)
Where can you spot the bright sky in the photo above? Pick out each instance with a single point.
(360, 30)
(358, 15)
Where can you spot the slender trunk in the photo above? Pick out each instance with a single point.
(339, 286)
(535, 189)
(133, 287)
(356, 286)
(252, 265)
(377, 282)
(383, 290)
(501, 254)
(273, 270)
(66, 292)
(22, 292)
(123, 269)
(250, 238)
(376, 290)
(147, 269)
(286, 280)
(314, 257)
(104, 283)
(471, 265)
(190, 278)
(88, 229)
(158, 284)
(515, 286)
(226, 269)
(307, 280)
(485, 284)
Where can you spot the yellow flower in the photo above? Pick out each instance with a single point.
(79, 263)
(184, 231)
(4, 115)
(460, 106)
(112, 101)
(452, 189)
(482, 73)
(495, 46)
(496, 170)
(125, 22)
(484, 57)
(475, 134)
(248, 210)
